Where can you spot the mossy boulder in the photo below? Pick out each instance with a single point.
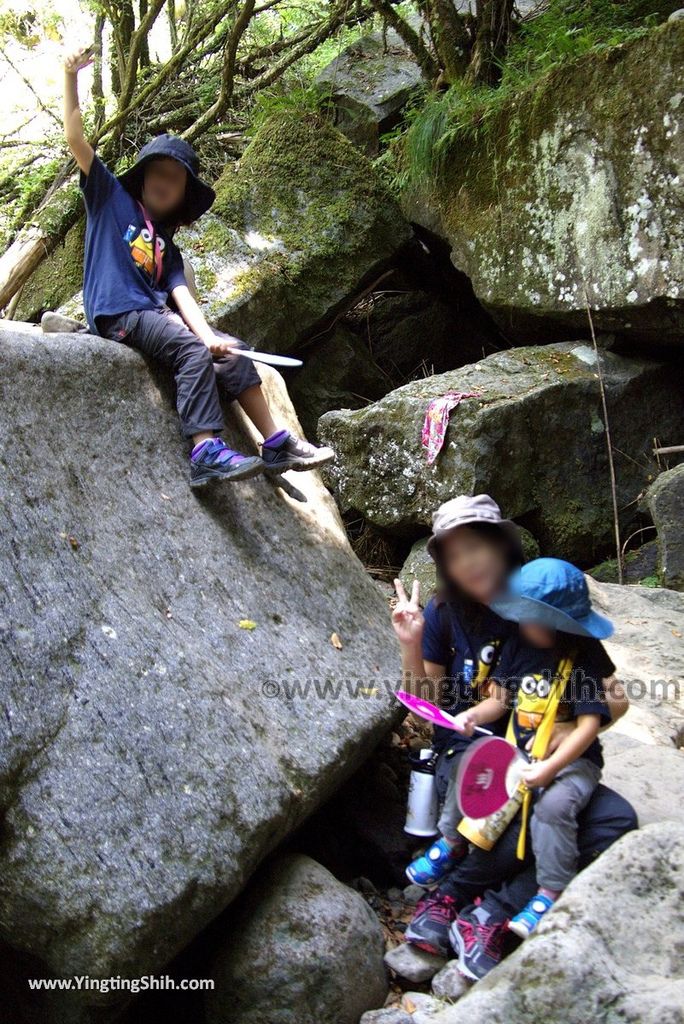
(301, 948)
(665, 502)
(58, 279)
(576, 184)
(638, 566)
(369, 85)
(534, 439)
(296, 227)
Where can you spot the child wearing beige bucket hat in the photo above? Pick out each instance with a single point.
(462, 638)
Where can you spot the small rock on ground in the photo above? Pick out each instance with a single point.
(390, 1015)
(413, 964)
(423, 1008)
(449, 983)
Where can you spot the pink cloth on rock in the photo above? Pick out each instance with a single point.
(437, 421)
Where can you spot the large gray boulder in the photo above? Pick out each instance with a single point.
(651, 777)
(608, 953)
(369, 84)
(575, 184)
(153, 750)
(648, 652)
(534, 439)
(302, 949)
(665, 502)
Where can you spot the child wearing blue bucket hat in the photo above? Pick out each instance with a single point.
(135, 292)
(552, 671)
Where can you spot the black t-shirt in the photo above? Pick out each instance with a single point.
(468, 646)
(528, 672)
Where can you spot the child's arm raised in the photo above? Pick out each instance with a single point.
(542, 773)
(82, 151)
(196, 321)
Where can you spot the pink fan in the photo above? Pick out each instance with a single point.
(488, 774)
(431, 712)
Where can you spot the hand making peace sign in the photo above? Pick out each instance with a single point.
(407, 618)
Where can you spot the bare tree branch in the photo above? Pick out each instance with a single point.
(218, 108)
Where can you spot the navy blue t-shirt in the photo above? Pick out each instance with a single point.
(119, 269)
(469, 650)
(528, 672)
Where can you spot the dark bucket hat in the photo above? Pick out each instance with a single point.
(198, 195)
(552, 593)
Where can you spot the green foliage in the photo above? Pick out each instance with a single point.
(297, 101)
(651, 581)
(565, 32)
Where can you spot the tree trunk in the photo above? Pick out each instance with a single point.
(98, 88)
(424, 59)
(451, 38)
(145, 48)
(35, 242)
(494, 18)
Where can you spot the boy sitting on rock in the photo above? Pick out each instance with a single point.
(133, 269)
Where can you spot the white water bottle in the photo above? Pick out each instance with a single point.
(423, 804)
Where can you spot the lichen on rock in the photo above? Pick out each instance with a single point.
(533, 438)
(571, 196)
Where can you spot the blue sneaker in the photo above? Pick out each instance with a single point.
(436, 862)
(524, 923)
(213, 459)
(283, 451)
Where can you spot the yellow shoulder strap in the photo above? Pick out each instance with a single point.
(541, 739)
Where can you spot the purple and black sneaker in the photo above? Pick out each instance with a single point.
(214, 460)
(283, 451)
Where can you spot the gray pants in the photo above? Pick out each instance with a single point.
(200, 378)
(554, 823)
(450, 816)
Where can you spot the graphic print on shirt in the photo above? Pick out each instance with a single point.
(485, 660)
(140, 242)
(477, 678)
(532, 700)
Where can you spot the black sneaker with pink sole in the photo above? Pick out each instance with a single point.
(478, 939)
(429, 927)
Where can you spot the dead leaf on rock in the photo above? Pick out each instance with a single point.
(336, 642)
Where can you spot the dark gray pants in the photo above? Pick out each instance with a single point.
(554, 822)
(162, 335)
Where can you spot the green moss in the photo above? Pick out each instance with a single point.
(299, 180)
(651, 581)
(544, 56)
(57, 279)
(633, 566)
